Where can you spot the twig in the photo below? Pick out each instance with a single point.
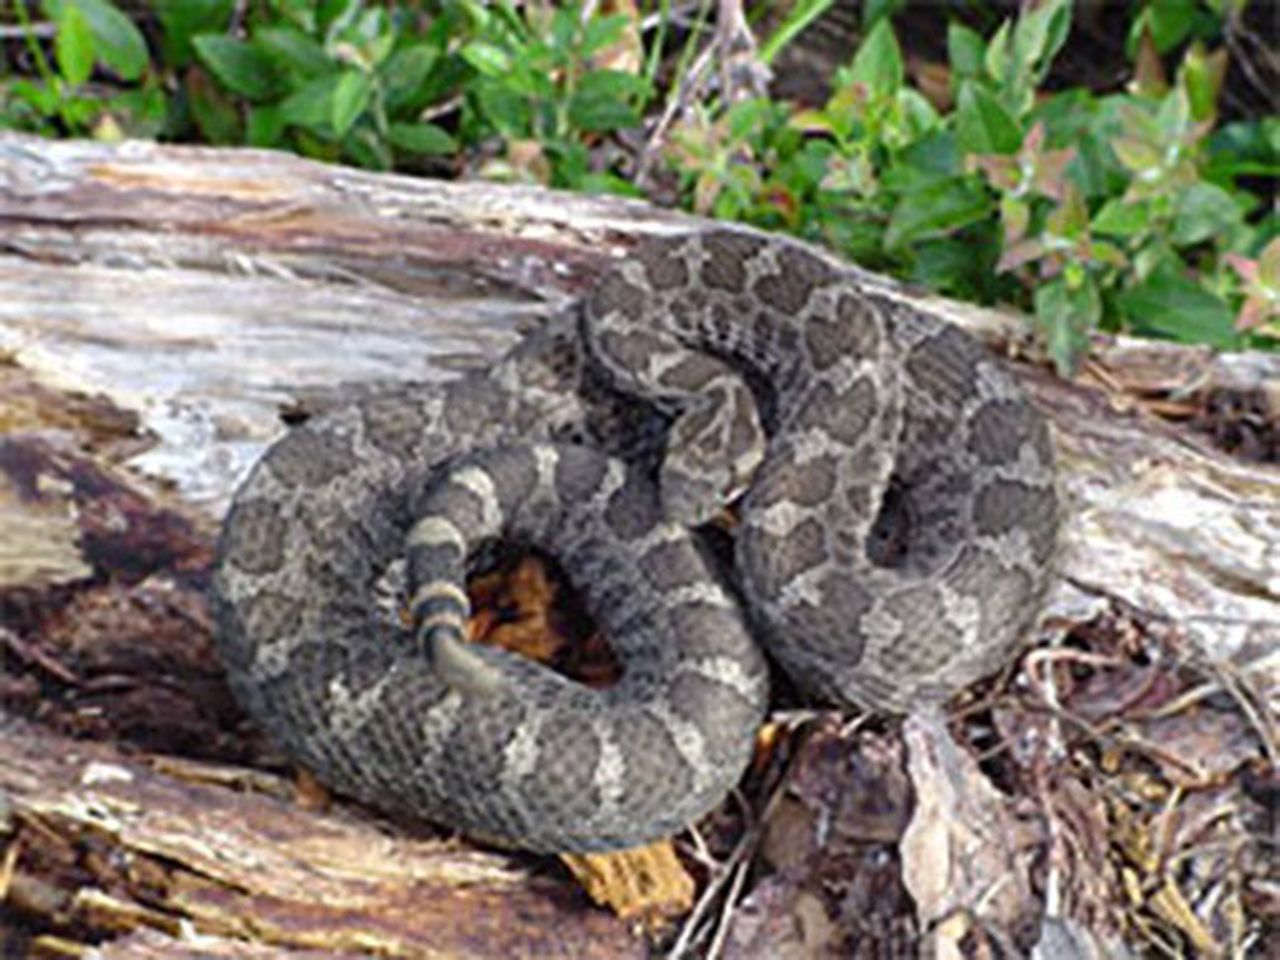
(688, 85)
(1265, 730)
(731, 898)
(1233, 35)
(34, 655)
(741, 856)
(42, 30)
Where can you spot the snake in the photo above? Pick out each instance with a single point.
(893, 518)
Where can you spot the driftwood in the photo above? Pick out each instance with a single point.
(160, 307)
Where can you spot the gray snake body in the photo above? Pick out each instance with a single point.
(898, 528)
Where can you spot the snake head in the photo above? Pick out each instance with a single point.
(692, 498)
(713, 451)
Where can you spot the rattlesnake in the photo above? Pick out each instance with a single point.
(895, 540)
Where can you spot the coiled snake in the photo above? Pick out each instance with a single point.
(897, 530)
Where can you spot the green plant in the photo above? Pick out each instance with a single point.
(543, 86)
(337, 80)
(90, 35)
(348, 80)
(1127, 211)
(1120, 212)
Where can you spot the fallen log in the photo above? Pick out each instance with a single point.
(160, 307)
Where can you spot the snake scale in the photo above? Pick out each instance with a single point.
(898, 525)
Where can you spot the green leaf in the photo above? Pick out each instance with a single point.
(212, 109)
(1170, 21)
(332, 18)
(1120, 219)
(1168, 304)
(601, 32)
(238, 66)
(936, 210)
(955, 266)
(1269, 266)
(116, 41)
(982, 124)
(487, 59)
(265, 126)
(1066, 314)
(965, 49)
(181, 20)
(609, 183)
(376, 39)
(917, 113)
(799, 17)
(999, 58)
(300, 13)
(311, 107)
(421, 138)
(1203, 211)
(873, 11)
(141, 112)
(935, 155)
(41, 98)
(1137, 156)
(1039, 34)
(748, 117)
(1244, 148)
(293, 52)
(878, 62)
(1059, 13)
(1202, 75)
(73, 46)
(602, 101)
(366, 148)
(509, 112)
(405, 74)
(350, 98)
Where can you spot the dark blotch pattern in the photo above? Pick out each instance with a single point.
(789, 290)
(803, 548)
(812, 483)
(999, 431)
(944, 367)
(615, 292)
(852, 333)
(255, 537)
(394, 425)
(305, 457)
(669, 566)
(692, 373)
(569, 753)
(632, 350)
(845, 417)
(649, 755)
(694, 697)
(632, 511)
(728, 253)
(578, 478)
(471, 407)
(1006, 505)
(663, 266)
(860, 317)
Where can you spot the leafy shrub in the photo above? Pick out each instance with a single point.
(89, 34)
(1126, 211)
(343, 80)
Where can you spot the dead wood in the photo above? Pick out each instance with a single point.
(160, 307)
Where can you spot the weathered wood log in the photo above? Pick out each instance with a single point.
(160, 307)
